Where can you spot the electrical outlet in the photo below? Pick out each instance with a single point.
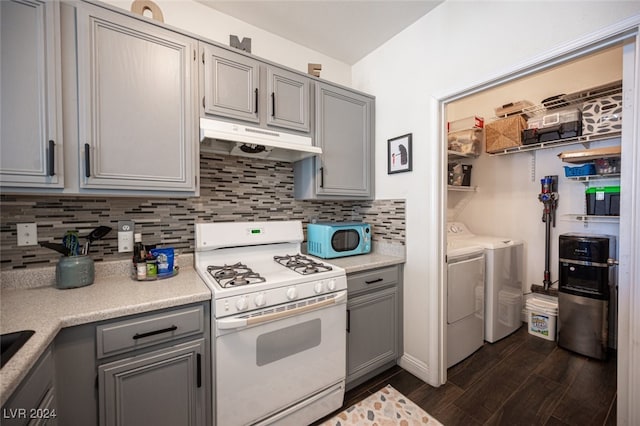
(125, 236)
(27, 234)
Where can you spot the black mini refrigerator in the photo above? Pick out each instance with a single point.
(586, 289)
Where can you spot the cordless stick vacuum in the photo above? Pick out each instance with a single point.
(549, 198)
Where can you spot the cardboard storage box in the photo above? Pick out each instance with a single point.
(504, 133)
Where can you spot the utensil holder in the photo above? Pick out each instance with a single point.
(74, 271)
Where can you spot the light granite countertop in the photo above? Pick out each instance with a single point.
(30, 301)
(365, 262)
(382, 255)
(46, 309)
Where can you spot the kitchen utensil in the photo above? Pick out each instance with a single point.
(72, 242)
(95, 235)
(60, 248)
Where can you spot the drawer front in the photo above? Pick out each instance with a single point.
(127, 335)
(374, 278)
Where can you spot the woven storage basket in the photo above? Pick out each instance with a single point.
(504, 133)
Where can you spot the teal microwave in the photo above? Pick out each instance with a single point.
(338, 239)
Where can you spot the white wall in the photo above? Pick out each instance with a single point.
(455, 46)
(204, 21)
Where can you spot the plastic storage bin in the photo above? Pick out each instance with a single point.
(466, 141)
(559, 125)
(607, 166)
(603, 115)
(584, 170)
(542, 317)
(459, 174)
(473, 122)
(603, 200)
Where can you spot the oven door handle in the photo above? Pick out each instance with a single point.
(231, 323)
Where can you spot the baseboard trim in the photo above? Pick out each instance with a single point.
(417, 368)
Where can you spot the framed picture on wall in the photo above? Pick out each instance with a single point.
(399, 154)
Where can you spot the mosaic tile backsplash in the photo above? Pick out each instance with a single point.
(231, 189)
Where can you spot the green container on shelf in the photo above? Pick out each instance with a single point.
(603, 200)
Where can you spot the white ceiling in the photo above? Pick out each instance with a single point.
(346, 30)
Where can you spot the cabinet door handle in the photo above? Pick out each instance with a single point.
(256, 107)
(153, 333)
(377, 280)
(273, 104)
(199, 370)
(321, 177)
(348, 321)
(87, 160)
(51, 158)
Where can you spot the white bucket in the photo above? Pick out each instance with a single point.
(543, 315)
(509, 308)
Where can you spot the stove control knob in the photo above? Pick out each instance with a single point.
(318, 287)
(331, 285)
(292, 293)
(260, 300)
(241, 304)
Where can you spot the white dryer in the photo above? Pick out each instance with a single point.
(504, 259)
(465, 302)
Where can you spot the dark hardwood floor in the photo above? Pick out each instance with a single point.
(519, 380)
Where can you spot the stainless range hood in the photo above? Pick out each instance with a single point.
(222, 137)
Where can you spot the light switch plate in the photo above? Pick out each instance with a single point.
(125, 236)
(27, 234)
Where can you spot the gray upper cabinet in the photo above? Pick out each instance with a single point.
(137, 110)
(30, 110)
(238, 87)
(288, 103)
(344, 129)
(230, 84)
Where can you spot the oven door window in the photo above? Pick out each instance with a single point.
(345, 240)
(264, 368)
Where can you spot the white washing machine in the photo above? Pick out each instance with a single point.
(465, 302)
(504, 259)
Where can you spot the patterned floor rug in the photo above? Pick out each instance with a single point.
(387, 407)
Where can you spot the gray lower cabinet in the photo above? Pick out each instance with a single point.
(157, 388)
(30, 83)
(34, 402)
(374, 321)
(344, 129)
(151, 368)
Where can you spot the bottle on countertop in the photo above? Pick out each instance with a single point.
(139, 257)
(139, 252)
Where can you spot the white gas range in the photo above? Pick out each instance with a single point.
(279, 324)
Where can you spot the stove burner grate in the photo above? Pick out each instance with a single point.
(302, 264)
(234, 275)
